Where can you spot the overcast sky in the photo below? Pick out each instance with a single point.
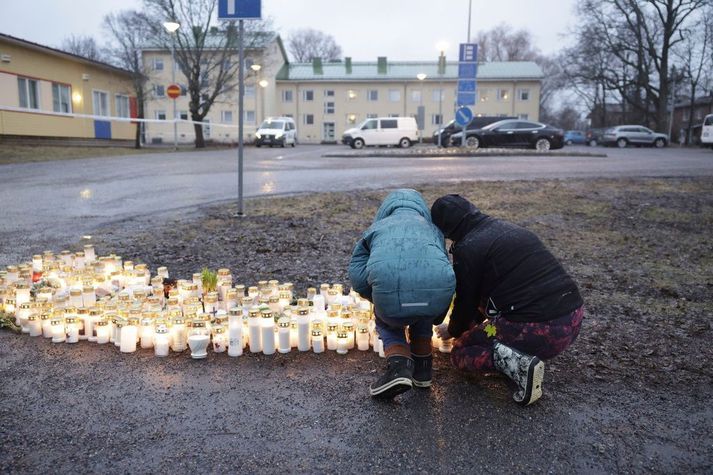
(365, 29)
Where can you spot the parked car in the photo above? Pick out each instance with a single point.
(276, 131)
(401, 131)
(707, 131)
(624, 135)
(452, 128)
(594, 136)
(513, 133)
(574, 137)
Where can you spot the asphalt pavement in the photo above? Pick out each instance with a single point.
(52, 204)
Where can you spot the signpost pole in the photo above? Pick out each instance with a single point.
(173, 81)
(240, 117)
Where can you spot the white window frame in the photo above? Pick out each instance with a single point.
(25, 88)
(329, 107)
(122, 105)
(329, 93)
(372, 95)
(249, 90)
(416, 96)
(287, 95)
(225, 115)
(61, 94)
(96, 108)
(159, 113)
(523, 92)
(503, 97)
(183, 115)
(159, 90)
(250, 116)
(436, 119)
(305, 117)
(394, 95)
(306, 93)
(155, 64)
(523, 116)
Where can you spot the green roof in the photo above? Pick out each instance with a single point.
(406, 70)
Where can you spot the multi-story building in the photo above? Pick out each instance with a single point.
(327, 98)
(44, 92)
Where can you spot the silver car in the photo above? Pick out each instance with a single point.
(624, 135)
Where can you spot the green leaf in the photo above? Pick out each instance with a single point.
(490, 330)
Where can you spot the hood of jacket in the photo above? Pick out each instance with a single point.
(455, 216)
(403, 199)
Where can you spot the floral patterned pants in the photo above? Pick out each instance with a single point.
(473, 350)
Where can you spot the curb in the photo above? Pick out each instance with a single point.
(473, 153)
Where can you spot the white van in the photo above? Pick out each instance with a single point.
(401, 131)
(276, 131)
(707, 131)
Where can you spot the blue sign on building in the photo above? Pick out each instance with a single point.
(467, 72)
(239, 9)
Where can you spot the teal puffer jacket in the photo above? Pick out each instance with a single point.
(400, 263)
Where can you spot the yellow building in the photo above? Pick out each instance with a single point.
(45, 91)
(327, 98)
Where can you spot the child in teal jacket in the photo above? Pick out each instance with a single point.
(400, 264)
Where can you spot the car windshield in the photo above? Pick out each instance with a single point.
(709, 120)
(272, 124)
(497, 124)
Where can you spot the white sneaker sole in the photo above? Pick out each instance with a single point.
(538, 374)
(392, 388)
(421, 384)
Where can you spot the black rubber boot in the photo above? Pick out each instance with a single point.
(526, 371)
(422, 370)
(396, 379)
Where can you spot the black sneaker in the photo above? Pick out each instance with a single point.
(396, 380)
(422, 370)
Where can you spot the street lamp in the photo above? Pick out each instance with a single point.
(421, 77)
(442, 46)
(256, 68)
(172, 27)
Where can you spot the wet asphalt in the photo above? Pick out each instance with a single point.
(49, 205)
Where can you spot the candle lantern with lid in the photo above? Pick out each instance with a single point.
(198, 339)
(162, 339)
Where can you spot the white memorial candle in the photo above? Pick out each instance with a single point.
(303, 334)
(129, 335)
(220, 339)
(283, 332)
(362, 338)
(235, 338)
(59, 334)
(198, 340)
(179, 334)
(102, 329)
(147, 330)
(72, 328)
(161, 341)
(24, 310)
(34, 324)
(46, 324)
(331, 336)
(317, 341)
(254, 330)
(342, 343)
(267, 325)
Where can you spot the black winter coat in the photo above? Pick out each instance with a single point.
(501, 269)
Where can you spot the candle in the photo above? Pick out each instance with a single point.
(198, 339)
(446, 345)
(102, 329)
(332, 336)
(317, 341)
(267, 332)
(348, 328)
(380, 347)
(179, 334)
(89, 254)
(89, 298)
(362, 338)
(254, 330)
(147, 330)
(24, 310)
(46, 319)
(342, 343)
(220, 339)
(72, 328)
(22, 293)
(303, 335)
(75, 298)
(59, 334)
(161, 340)
(235, 334)
(311, 293)
(129, 335)
(79, 261)
(34, 324)
(318, 302)
(283, 332)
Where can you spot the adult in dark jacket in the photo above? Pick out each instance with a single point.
(400, 264)
(515, 304)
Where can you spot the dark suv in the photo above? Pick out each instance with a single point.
(453, 128)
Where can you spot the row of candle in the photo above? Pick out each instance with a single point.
(78, 296)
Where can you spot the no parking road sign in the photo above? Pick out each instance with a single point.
(463, 116)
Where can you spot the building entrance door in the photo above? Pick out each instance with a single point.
(328, 132)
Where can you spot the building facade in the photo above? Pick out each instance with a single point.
(43, 90)
(326, 99)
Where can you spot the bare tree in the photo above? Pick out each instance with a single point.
(308, 44)
(206, 53)
(641, 35)
(695, 57)
(127, 34)
(84, 46)
(502, 43)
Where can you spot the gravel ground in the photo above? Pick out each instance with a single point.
(629, 396)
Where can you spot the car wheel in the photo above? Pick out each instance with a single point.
(357, 143)
(659, 143)
(293, 144)
(404, 142)
(472, 142)
(593, 143)
(542, 145)
(622, 143)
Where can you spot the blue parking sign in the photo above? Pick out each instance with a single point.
(239, 9)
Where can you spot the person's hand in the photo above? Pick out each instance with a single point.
(442, 331)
